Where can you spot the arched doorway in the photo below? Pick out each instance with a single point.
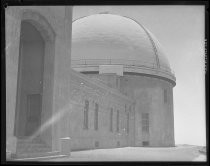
(30, 80)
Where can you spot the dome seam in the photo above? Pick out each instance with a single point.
(151, 40)
(154, 48)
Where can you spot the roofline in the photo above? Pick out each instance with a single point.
(151, 75)
(136, 74)
(100, 85)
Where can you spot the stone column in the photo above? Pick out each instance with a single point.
(62, 68)
(12, 34)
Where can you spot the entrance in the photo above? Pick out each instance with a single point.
(33, 113)
(30, 81)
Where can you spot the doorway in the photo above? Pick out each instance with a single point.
(30, 81)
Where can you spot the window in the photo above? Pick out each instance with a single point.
(145, 143)
(117, 82)
(127, 122)
(86, 108)
(145, 122)
(96, 144)
(96, 117)
(130, 108)
(118, 143)
(111, 120)
(165, 96)
(118, 121)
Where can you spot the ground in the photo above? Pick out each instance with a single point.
(178, 153)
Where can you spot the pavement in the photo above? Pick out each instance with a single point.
(178, 153)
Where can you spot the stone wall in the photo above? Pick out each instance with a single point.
(148, 93)
(59, 48)
(84, 88)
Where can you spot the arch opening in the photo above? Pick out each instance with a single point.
(35, 82)
(30, 80)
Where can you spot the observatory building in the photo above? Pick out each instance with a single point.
(127, 57)
(101, 81)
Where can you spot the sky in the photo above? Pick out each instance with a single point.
(180, 29)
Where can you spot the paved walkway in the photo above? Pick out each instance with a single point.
(181, 153)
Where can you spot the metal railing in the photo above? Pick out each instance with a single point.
(125, 62)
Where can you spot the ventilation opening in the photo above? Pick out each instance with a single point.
(118, 143)
(145, 143)
(96, 144)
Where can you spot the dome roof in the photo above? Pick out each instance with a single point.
(103, 39)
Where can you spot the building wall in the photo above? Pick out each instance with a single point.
(148, 94)
(110, 79)
(12, 30)
(57, 63)
(107, 98)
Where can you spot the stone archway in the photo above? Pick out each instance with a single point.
(31, 67)
(35, 77)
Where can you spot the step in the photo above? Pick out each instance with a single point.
(36, 154)
(41, 158)
(25, 140)
(32, 145)
(33, 150)
(27, 148)
(30, 142)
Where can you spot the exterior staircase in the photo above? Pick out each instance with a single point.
(33, 148)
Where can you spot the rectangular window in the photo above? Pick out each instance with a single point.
(130, 108)
(165, 96)
(86, 109)
(96, 144)
(118, 121)
(118, 143)
(117, 82)
(145, 143)
(96, 117)
(127, 122)
(145, 122)
(111, 120)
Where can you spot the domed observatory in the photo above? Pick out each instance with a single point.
(126, 56)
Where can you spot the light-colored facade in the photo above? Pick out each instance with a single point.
(123, 53)
(111, 105)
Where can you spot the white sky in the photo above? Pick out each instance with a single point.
(180, 29)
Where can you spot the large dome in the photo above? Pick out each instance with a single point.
(104, 39)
